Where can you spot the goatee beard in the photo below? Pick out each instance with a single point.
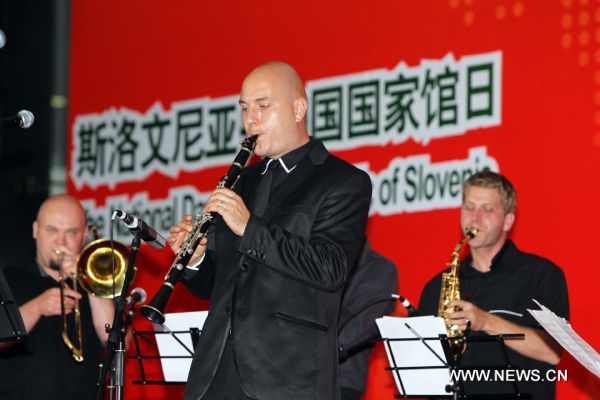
(54, 265)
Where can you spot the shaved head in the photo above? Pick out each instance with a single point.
(285, 74)
(64, 202)
(60, 224)
(273, 102)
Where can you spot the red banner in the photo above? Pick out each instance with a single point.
(418, 94)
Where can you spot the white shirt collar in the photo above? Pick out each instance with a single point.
(285, 167)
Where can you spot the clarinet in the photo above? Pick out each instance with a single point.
(154, 310)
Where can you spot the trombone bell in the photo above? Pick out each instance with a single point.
(94, 268)
(95, 276)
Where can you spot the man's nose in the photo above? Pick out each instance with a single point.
(60, 239)
(477, 215)
(251, 116)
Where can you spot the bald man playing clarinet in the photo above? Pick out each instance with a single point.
(283, 243)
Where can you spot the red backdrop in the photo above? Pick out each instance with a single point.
(128, 56)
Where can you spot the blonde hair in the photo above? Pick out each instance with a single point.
(493, 180)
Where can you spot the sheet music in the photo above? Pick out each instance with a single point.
(414, 354)
(177, 369)
(564, 334)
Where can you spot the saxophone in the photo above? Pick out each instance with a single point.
(450, 290)
(154, 310)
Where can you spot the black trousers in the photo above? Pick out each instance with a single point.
(226, 383)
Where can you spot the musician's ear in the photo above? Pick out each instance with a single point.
(300, 108)
(509, 220)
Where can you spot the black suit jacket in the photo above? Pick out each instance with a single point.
(278, 287)
(366, 297)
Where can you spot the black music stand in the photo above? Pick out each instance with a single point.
(178, 336)
(11, 322)
(441, 365)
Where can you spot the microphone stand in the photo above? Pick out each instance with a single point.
(115, 355)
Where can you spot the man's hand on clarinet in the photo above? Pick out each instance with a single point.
(178, 235)
(231, 207)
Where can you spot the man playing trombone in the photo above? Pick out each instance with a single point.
(41, 365)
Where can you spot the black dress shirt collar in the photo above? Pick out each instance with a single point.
(290, 160)
(501, 261)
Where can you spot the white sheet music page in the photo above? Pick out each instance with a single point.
(412, 354)
(177, 369)
(564, 334)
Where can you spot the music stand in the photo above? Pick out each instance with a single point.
(505, 365)
(422, 364)
(11, 322)
(176, 340)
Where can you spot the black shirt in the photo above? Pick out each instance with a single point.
(506, 290)
(287, 163)
(41, 366)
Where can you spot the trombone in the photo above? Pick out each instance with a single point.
(95, 275)
(76, 346)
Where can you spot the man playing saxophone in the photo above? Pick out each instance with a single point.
(497, 285)
(41, 366)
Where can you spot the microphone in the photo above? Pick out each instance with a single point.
(412, 312)
(23, 119)
(137, 295)
(146, 232)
